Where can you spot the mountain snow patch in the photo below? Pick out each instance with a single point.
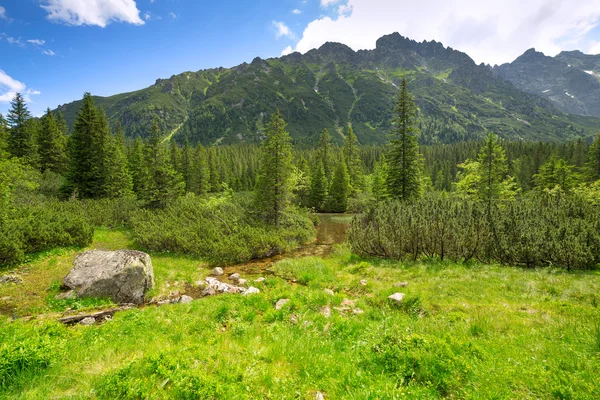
(546, 91)
(570, 95)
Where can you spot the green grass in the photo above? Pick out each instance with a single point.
(463, 331)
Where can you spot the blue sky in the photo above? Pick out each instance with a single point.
(55, 50)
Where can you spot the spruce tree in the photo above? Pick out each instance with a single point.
(23, 137)
(119, 182)
(186, 165)
(553, 174)
(273, 186)
(86, 177)
(318, 186)
(52, 145)
(161, 183)
(404, 161)
(200, 171)
(3, 138)
(61, 123)
(325, 152)
(493, 170)
(337, 200)
(594, 159)
(137, 165)
(378, 183)
(353, 162)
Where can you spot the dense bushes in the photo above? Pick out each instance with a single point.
(219, 229)
(531, 231)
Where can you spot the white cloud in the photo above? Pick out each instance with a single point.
(281, 29)
(486, 30)
(92, 12)
(173, 15)
(3, 13)
(37, 42)
(48, 52)
(147, 15)
(287, 50)
(594, 48)
(15, 41)
(297, 12)
(9, 87)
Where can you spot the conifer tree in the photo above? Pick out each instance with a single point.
(273, 185)
(200, 171)
(493, 170)
(137, 165)
(186, 165)
(86, 177)
(3, 138)
(318, 186)
(119, 182)
(378, 184)
(23, 137)
(52, 145)
(337, 200)
(61, 123)
(213, 168)
(553, 174)
(594, 159)
(161, 183)
(353, 162)
(404, 163)
(325, 152)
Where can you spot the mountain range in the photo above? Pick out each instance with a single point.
(334, 87)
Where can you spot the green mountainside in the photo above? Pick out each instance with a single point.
(334, 86)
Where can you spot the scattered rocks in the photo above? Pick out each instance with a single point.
(401, 284)
(11, 279)
(363, 282)
(217, 271)
(88, 321)
(70, 295)
(185, 299)
(326, 311)
(259, 280)
(397, 297)
(280, 303)
(214, 286)
(235, 277)
(329, 292)
(250, 290)
(124, 276)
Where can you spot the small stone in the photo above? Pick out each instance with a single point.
(234, 277)
(357, 311)
(108, 318)
(259, 280)
(280, 303)
(319, 396)
(241, 281)
(348, 303)
(163, 302)
(363, 282)
(185, 299)
(217, 271)
(294, 319)
(397, 297)
(326, 311)
(329, 292)
(250, 290)
(11, 279)
(88, 321)
(401, 284)
(66, 295)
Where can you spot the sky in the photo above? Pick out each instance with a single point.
(53, 51)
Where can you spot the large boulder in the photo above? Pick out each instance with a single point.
(124, 276)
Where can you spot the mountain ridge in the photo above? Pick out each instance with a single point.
(334, 87)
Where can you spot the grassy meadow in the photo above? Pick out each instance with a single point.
(462, 331)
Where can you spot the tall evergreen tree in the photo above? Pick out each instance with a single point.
(273, 186)
(3, 138)
(353, 161)
(378, 183)
(337, 200)
(318, 186)
(86, 177)
(22, 139)
(161, 183)
(325, 152)
(200, 171)
(52, 145)
(186, 165)
(119, 182)
(404, 161)
(61, 123)
(555, 173)
(493, 169)
(137, 165)
(594, 159)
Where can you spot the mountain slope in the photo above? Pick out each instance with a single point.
(334, 86)
(571, 80)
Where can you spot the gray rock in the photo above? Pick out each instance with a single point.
(250, 290)
(280, 303)
(319, 396)
(241, 281)
(363, 282)
(88, 321)
(397, 297)
(124, 276)
(326, 311)
(329, 292)
(259, 280)
(66, 295)
(234, 277)
(217, 271)
(185, 299)
(401, 284)
(11, 279)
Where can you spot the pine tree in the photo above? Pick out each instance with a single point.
(378, 184)
(555, 173)
(213, 171)
(61, 123)
(200, 171)
(337, 200)
(161, 183)
(404, 164)
(22, 139)
(353, 162)
(273, 187)
(52, 145)
(493, 170)
(318, 186)
(119, 182)
(594, 159)
(186, 165)
(325, 152)
(3, 138)
(137, 165)
(86, 177)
